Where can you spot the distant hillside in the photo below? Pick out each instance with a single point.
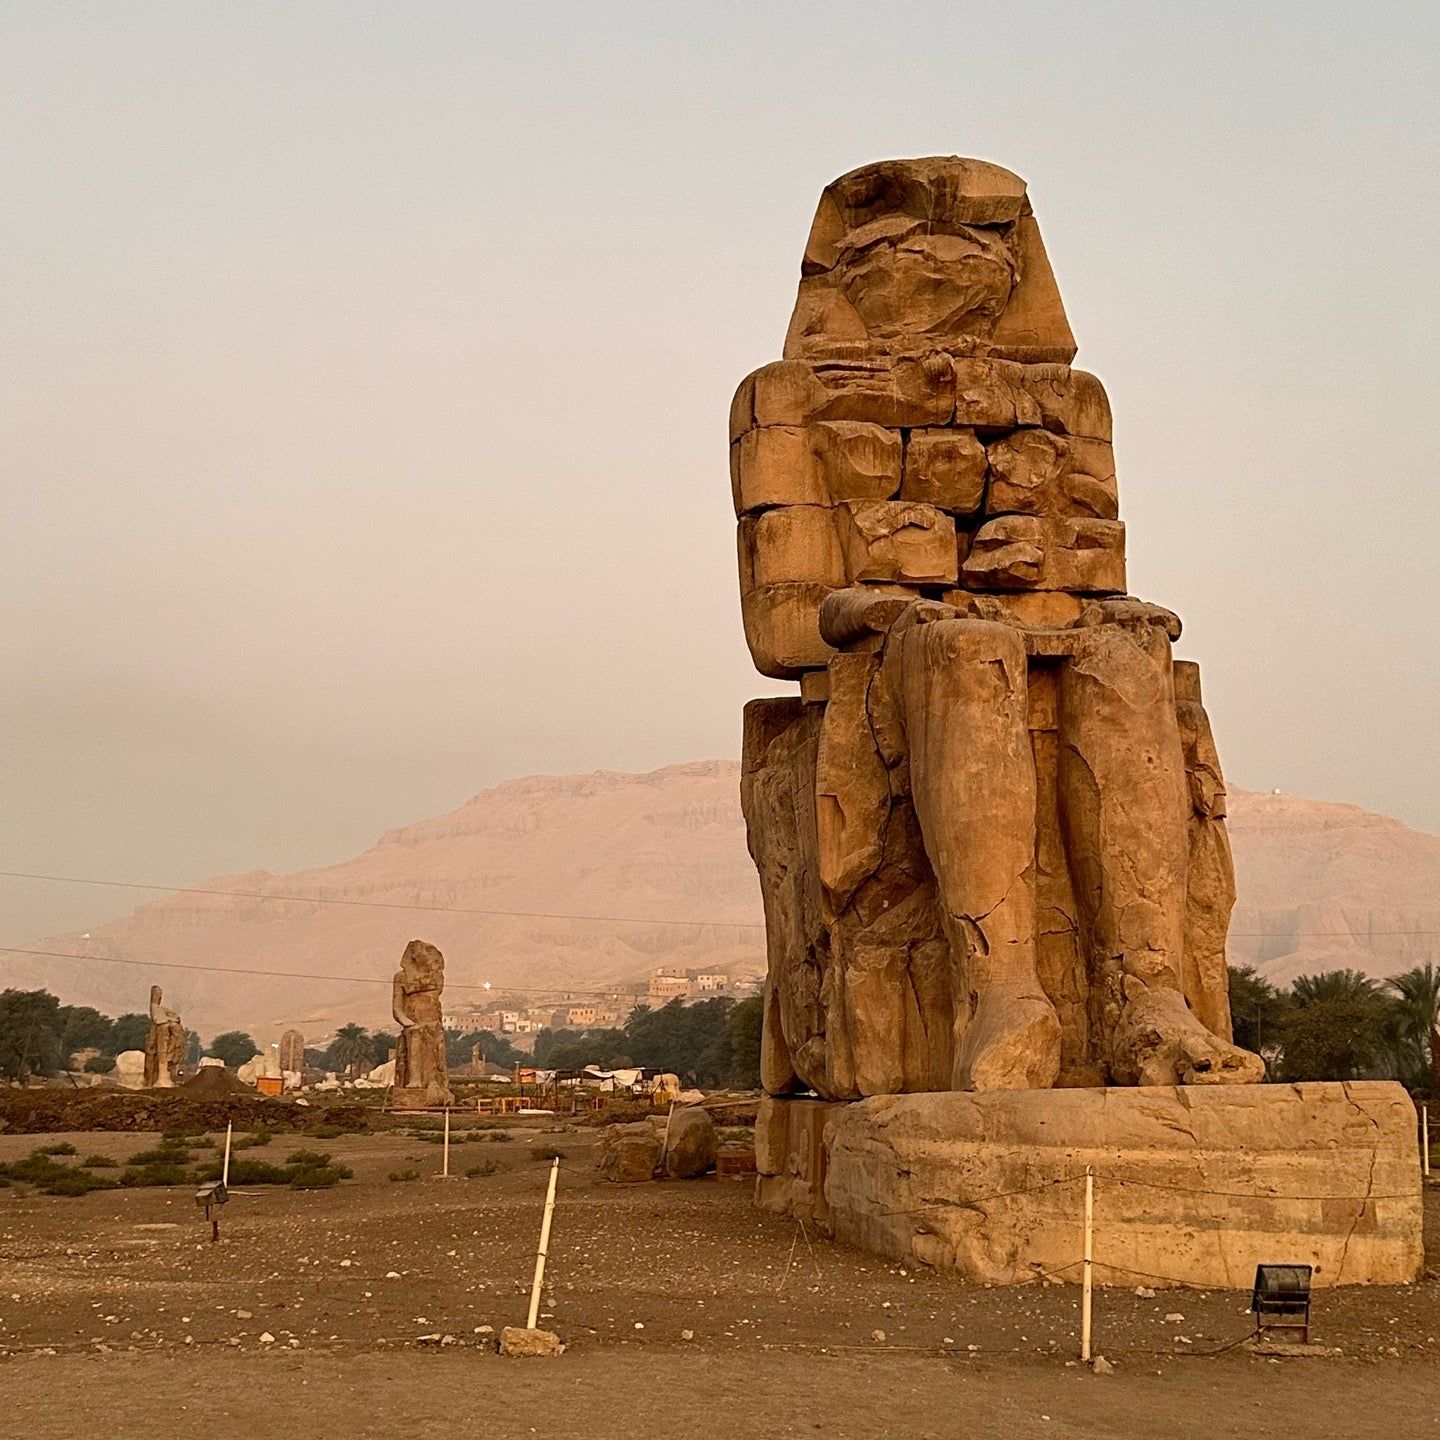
(1329, 886)
(1321, 885)
(667, 845)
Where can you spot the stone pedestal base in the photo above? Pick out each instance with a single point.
(1193, 1185)
(418, 1097)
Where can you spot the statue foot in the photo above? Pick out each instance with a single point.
(1161, 1042)
(1011, 1043)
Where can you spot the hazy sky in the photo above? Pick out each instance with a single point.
(364, 372)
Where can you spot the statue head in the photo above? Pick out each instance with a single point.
(422, 966)
(907, 256)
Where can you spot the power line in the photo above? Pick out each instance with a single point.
(383, 904)
(588, 919)
(499, 991)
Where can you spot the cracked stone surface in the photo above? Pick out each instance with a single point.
(1193, 1186)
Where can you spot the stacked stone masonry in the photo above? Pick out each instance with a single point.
(990, 828)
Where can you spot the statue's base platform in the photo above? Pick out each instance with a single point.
(418, 1097)
(1193, 1185)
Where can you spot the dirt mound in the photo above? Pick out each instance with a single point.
(214, 1082)
(37, 1112)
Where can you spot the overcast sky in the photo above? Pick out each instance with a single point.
(364, 372)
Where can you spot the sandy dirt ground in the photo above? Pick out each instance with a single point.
(362, 1311)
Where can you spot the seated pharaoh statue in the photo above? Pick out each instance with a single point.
(990, 830)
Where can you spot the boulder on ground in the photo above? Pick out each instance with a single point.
(130, 1069)
(628, 1154)
(516, 1340)
(692, 1145)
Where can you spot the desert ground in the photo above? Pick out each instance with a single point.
(361, 1310)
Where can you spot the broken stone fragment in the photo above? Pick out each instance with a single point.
(628, 1154)
(517, 1341)
(691, 1143)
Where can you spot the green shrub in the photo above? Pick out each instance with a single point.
(498, 1137)
(318, 1177)
(157, 1172)
(304, 1170)
(165, 1154)
(76, 1182)
(37, 1168)
(246, 1172)
(404, 1174)
(547, 1152)
(51, 1178)
(253, 1140)
(324, 1132)
(63, 1147)
(99, 1162)
(484, 1168)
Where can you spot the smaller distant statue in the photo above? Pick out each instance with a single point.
(292, 1053)
(164, 1045)
(420, 1070)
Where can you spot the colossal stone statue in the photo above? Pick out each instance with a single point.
(990, 832)
(990, 829)
(292, 1052)
(164, 1045)
(420, 1070)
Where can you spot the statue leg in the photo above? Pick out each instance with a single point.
(1125, 808)
(962, 687)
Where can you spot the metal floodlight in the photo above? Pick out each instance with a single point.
(1281, 1298)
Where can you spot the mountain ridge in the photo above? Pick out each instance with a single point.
(1322, 884)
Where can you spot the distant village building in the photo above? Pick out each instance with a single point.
(666, 986)
(710, 982)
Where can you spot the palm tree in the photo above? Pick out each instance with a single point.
(351, 1048)
(1416, 1027)
(1332, 985)
(1334, 1028)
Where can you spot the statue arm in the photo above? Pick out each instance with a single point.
(398, 1005)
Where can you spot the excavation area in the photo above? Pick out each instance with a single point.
(355, 1291)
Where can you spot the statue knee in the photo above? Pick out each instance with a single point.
(967, 641)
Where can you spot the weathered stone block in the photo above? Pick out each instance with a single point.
(1035, 472)
(628, 1154)
(990, 396)
(793, 545)
(1193, 1185)
(782, 629)
(691, 1143)
(814, 464)
(909, 390)
(945, 468)
(1030, 552)
(897, 541)
(1072, 402)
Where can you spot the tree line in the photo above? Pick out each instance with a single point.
(1339, 1025)
(1342, 1025)
(708, 1043)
